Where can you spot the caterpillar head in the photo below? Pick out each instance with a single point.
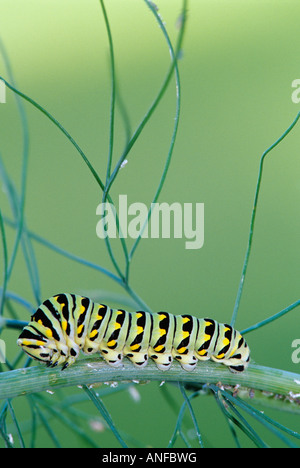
(40, 348)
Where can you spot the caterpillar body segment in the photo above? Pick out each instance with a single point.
(66, 324)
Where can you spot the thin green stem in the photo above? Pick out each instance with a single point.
(15, 297)
(124, 115)
(25, 131)
(272, 318)
(137, 299)
(29, 256)
(233, 415)
(188, 402)
(105, 414)
(5, 264)
(16, 424)
(174, 66)
(113, 91)
(253, 216)
(65, 253)
(270, 424)
(111, 140)
(146, 118)
(84, 262)
(61, 128)
(12, 323)
(61, 416)
(111, 179)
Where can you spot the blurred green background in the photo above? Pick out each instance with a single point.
(239, 60)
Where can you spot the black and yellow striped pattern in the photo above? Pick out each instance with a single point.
(67, 323)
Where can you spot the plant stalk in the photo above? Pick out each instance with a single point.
(275, 384)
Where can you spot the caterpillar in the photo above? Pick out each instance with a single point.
(67, 323)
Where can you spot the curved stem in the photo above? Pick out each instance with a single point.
(94, 370)
(113, 91)
(174, 66)
(272, 318)
(61, 128)
(5, 264)
(250, 239)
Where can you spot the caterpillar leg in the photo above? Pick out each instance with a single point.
(113, 358)
(139, 359)
(162, 361)
(187, 361)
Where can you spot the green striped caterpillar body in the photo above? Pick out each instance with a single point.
(67, 323)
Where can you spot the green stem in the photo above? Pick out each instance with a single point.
(174, 66)
(94, 370)
(113, 91)
(147, 116)
(272, 318)
(67, 254)
(61, 128)
(244, 270)
(5, 264)
(25, 132)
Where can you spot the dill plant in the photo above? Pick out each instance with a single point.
(236, 396)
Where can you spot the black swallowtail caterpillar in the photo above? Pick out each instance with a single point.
(67, 323)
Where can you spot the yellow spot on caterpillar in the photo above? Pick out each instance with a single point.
(28, 343)
(139, 330)
(162, 332)
(117, 326)
(64, 325)
(220, 356)
(203, 352)
(186, 320)
(185, 334)
(111, 343)
(181, 350)
(162, 317)
(93, 333)
(49, 333)
(79, 329)
(134, 347)
(159, 348)
(40, 343)
(207, 337)
(82, 310)
(138, 315)
(226, 341)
